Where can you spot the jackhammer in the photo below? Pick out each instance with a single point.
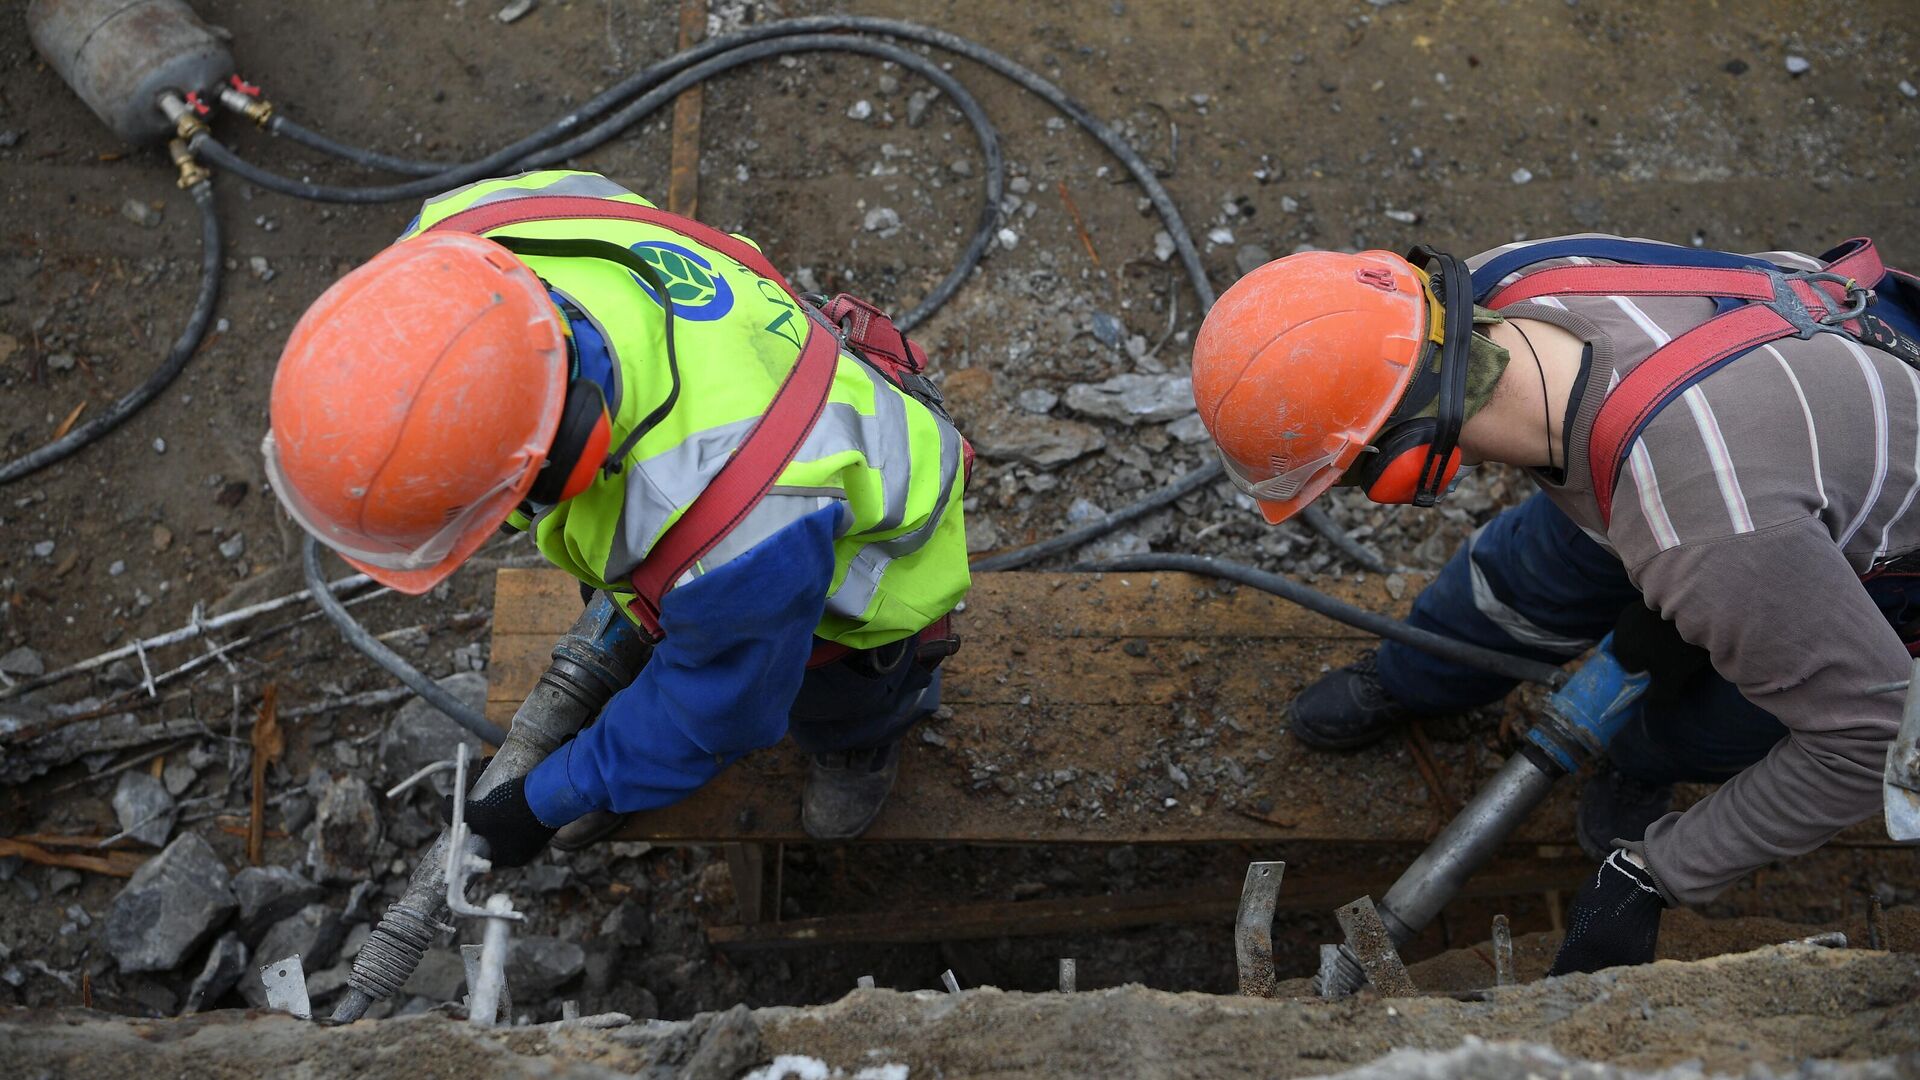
(599, 655)
(1579, 721)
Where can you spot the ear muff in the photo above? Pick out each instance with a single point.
(1395, 471)
(579, 445)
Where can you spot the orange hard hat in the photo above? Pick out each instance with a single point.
(1300, 363)
(414, 405)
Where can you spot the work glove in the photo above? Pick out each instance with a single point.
(504, 819)
(1614, 921)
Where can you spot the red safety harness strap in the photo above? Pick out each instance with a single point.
(743, 481)
(1637, 281)
(499, 215)
(1693, 355)
(767, 449)
(1666, 373)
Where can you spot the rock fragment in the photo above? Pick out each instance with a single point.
(539, 965)
(226, 962)
(346, 831)
(420, 734)
(169, 907)
(268, 894)
(144, 808)
(23, 661)
(1040, 441)
(1132, 398)
(141, 213)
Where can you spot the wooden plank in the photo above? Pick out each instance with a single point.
(1072, 915)
(683, 174)
(1242, 674)
(1072, 694)
(1042, 606)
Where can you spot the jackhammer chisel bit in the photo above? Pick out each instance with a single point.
(1576, 726)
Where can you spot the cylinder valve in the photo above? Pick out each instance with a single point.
(122, 56)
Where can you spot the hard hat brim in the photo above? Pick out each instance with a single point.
(417, 582)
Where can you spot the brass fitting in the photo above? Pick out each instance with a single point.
(186, 122)
(257, 109)
(191, 171)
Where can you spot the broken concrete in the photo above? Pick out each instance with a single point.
(175, 901)
(226, 962)
(144, 808)
(268, 894)
(420, 734)
(1133, 399)
(541, 965)
(346, 831)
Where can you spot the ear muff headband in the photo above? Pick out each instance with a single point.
(614, 253)
(1450, 411)
(579, 445)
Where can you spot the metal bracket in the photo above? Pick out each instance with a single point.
(286, 983)
(1253, 928)
(487, 981)
(1373, 949)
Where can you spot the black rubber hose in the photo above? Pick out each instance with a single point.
(694, 74)
(377, 651)
(176, 359)
(1321, 522)
(660, 94)
(1460, 652)
(1073, 538)
(281, 124)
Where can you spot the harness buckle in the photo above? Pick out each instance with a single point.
(1830, 318)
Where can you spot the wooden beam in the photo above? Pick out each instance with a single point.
(683, 174)
(1214, 904)
(1070, 699)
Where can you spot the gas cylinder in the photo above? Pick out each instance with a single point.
(120, 56)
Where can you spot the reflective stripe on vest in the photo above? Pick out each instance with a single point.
(900, 559)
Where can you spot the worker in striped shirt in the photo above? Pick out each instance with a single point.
(1750, 550)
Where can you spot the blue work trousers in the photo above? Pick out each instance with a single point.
(1531, 583)
(863, 700)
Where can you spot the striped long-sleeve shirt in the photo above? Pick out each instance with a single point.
(1746, 512)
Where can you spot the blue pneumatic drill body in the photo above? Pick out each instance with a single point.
(1575, 727)
(1583, 716)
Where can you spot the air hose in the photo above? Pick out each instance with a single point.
(1446, 648)
(377, 651)
(183, 349)
(626, 103)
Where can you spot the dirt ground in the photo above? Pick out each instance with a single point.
(1341, 124)
(1800, 1010)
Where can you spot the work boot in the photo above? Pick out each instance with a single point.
(1614, 806)
(587, 830)
(1347, 709)
(846, 789)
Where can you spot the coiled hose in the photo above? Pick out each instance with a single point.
(636, 97)
(176, 359)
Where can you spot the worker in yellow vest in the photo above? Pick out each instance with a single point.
(772, 492)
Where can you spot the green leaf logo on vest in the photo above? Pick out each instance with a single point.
(698, 292)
